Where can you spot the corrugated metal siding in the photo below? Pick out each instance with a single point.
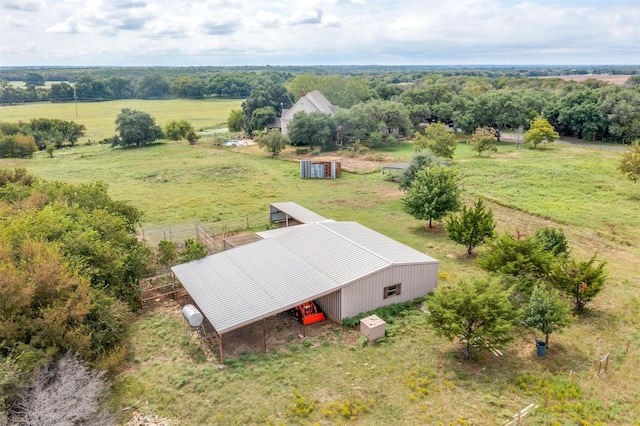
(331, 254)
(368, 293)
(331, 305)
(382, 245)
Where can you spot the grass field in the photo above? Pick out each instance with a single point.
(414, 377)
(99, 117)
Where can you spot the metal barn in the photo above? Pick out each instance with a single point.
(345, 267)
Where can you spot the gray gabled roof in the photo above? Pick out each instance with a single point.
(311, 102)
(320, 102)
(243, 285)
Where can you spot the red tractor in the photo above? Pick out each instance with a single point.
(308, 313)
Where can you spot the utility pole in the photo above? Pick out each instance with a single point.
(75, 98)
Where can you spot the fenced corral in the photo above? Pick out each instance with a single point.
(158, 287)
(238, 240)
(212, 234)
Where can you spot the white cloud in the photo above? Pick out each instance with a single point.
(328, 31)
(70, 26)
(306, 16)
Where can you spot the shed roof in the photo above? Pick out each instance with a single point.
(243, 285)
(297, 212)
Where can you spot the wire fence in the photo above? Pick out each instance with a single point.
(210, 234)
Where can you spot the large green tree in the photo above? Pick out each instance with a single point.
(541, 131)
(482, 140)
(472, 226)
(499, 109)
(354, 124)
(576, 113)
(268, 95)
(137, 128)
(234, 122)
(433, 193)
(546, 312)
(313, 129)
(339, 90)
(153, 86)
(92, 89)
(34, 79)
(392, 117)
(438, 138)
(260, 118)
(478, 312)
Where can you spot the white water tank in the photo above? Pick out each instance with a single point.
(192, 315)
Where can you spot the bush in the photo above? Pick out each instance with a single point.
(64, 392)
(17, 146)
(193, 250)
(387, 313)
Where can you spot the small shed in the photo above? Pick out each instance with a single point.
(372, 327)
(320, 169)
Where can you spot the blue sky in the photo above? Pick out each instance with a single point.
(327, 32)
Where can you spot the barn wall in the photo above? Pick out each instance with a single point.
(331, 305)
(368, 293)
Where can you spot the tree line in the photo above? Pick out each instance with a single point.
(376, 112)
(88, 88)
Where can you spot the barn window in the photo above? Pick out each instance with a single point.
(392, 290)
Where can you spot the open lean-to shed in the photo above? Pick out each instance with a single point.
(345, 267)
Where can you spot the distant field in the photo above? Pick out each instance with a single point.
(99, 117)
(614, 79)
(22, 84)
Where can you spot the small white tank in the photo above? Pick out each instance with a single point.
(192, 315)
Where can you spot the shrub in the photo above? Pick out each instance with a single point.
(387, 313)
(64, 392)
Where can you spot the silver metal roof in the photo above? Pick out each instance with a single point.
(243, 285)
(297, 212)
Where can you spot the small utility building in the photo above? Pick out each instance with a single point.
(345, 267)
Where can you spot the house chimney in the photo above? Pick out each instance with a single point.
(302, 93)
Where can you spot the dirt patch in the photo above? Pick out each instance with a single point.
(279, 332)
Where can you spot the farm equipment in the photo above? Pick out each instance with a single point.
(308, 313)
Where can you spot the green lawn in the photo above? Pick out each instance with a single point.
(414, 377)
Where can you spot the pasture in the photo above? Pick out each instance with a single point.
(413, 377)
(99, 117)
